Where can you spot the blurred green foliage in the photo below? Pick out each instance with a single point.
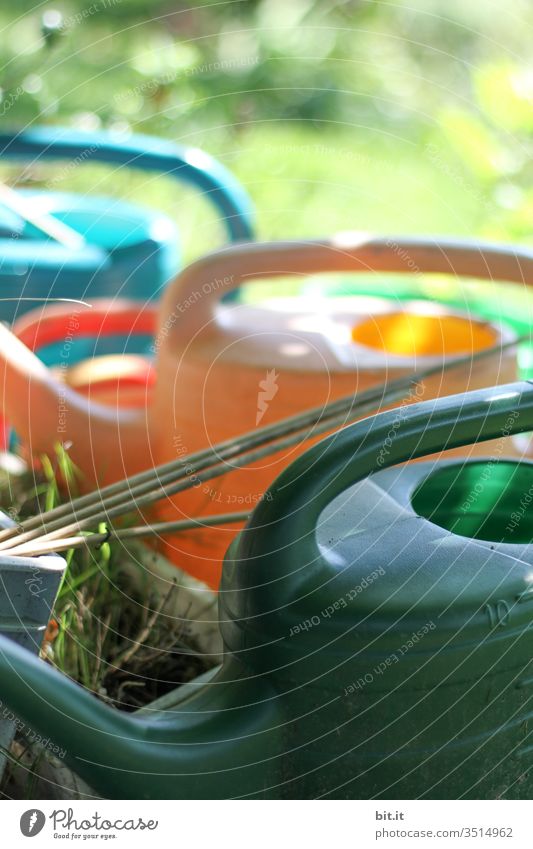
(400, 115)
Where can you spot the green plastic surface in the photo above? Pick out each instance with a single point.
(369, 652)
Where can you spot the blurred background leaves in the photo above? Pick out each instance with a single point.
(392, 116)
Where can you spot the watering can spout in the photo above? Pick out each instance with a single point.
(57, 709)
(182, 752)
(44, 411)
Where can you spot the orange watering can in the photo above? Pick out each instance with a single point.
(222, 368)
(69, 340)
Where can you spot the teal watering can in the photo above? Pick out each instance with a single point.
(377, 632)
(55, 244)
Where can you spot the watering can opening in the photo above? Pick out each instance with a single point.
(480, 500)
(407, 333)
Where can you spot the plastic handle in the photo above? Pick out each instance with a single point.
(189, 165)
(293, 504)
(218, 273)
(39, 328)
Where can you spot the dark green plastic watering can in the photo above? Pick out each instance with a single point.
(370, 651)
(28, 589)
(119, 249)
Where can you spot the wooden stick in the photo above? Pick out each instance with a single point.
(38, 546)
(128, 490)
(171, 478)
(108, 512)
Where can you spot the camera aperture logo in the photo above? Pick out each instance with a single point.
(32, 822)
(66, 826)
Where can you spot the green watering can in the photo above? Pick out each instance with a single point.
(28, 589)
(377, 630)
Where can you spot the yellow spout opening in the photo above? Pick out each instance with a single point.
(410, 334)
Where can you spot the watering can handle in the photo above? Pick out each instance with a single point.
(38, 328)
(293, 504)
(203, 283)
(187, 164)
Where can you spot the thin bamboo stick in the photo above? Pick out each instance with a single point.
(130, 488)
(233, 446)
(37, 547)
(106, 512)
(176, 476)
(136, 484)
